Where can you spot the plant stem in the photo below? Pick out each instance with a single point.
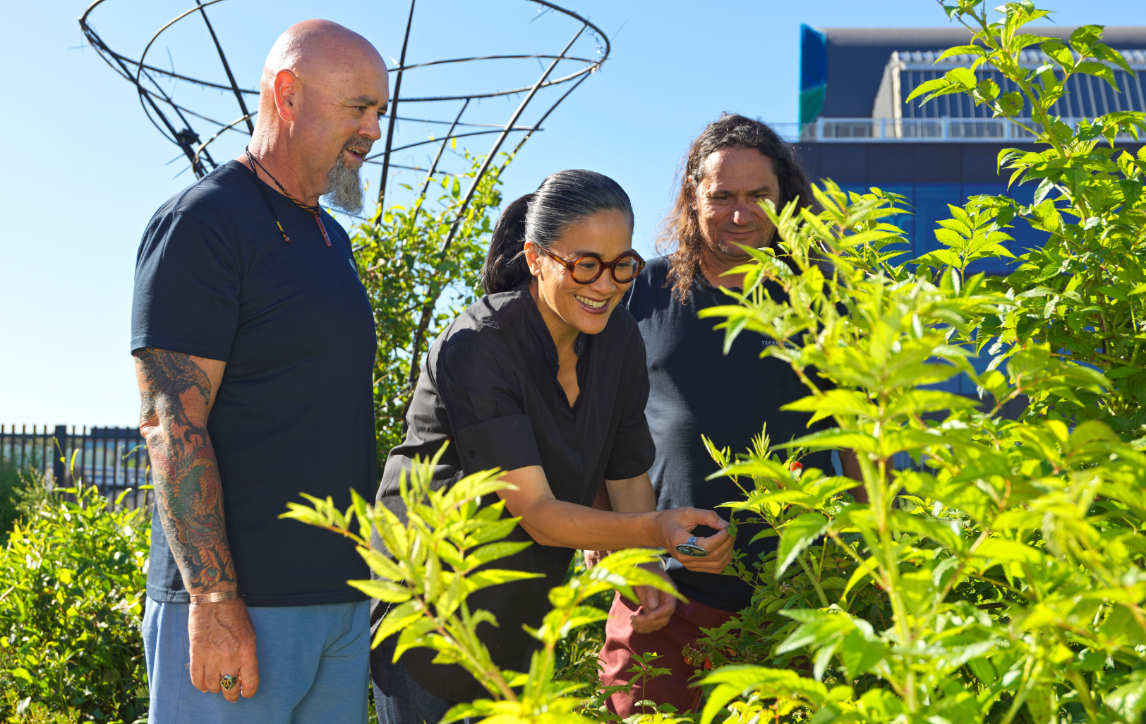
(493, 674)
(1083, 690)
(1032, 671)
(814, 580)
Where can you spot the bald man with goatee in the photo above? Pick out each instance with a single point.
(254, 346)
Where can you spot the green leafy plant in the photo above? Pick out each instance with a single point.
(420, 265)
(72, 579)
(1081, 292)
(753, 635)
(19, 484)
(12, 482)
(577, 653)
(1000, 577)
(26, 711)
(444, 552)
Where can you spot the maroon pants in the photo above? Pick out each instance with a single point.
(621, 642)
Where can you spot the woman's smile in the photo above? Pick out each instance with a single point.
(593, 306)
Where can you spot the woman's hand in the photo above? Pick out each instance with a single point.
(592, 558)
(676, 527)
(657, 606)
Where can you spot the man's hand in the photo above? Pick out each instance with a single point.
(223, 643)
(676, 527)
(657, 606)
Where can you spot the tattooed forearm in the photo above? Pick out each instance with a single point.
(176, 393)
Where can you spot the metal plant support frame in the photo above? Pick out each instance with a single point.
(177, 122)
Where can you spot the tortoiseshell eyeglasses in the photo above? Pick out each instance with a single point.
(588, 268)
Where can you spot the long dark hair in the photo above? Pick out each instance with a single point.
(563, 199)
(680, 231)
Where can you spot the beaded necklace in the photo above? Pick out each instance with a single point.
(312, 210)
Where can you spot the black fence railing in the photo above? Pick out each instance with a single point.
(113, 459)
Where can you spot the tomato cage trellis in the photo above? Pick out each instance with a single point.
(183, 125)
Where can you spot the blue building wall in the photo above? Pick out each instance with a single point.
(931, 176)
(930, 199)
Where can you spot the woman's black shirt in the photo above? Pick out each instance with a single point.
(489, 387)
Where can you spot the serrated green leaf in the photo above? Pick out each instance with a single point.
(1001, 549)
(965, 77)
(797, 535)
(383, 590)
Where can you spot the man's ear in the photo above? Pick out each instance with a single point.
(531, 259)
(287, 95)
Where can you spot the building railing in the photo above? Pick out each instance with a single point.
(113, 459)
(953, 130)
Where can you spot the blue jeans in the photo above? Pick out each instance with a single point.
(399, 699)
(314, 666)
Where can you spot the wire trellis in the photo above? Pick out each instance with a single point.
(195, 131)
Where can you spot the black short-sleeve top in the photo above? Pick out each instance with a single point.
(294, 413)
(700, 390)
(489, 388)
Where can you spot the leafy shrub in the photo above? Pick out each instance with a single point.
(442, 555)
(13, 481)
(418, 283)
(72, 579)
(26, 711)
(577, 653)
(1004, 579)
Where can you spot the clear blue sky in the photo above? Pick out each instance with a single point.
(83, 169)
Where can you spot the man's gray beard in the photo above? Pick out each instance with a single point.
(343, 187)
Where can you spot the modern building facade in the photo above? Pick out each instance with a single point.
(857, 130)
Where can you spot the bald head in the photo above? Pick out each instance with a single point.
(323, 90)
(318, 49)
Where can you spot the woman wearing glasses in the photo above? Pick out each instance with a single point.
(544, 378)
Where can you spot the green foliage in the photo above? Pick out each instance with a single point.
(13, 481)
(26, 711)
(417, 284)
(1001, 579)
(1081, 293)
(442, 554)
(577, 653)
(754, 635)
(71, 594)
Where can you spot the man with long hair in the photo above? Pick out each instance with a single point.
(696, 390)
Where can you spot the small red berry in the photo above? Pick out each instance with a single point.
(707, 663)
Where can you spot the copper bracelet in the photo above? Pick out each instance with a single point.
(214, 597)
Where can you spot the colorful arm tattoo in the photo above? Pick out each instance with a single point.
(176, 393)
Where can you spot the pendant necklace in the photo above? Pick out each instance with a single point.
(312, 210)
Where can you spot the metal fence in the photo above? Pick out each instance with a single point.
(113, 459)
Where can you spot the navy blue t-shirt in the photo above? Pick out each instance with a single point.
(294, 413)
(694, 390)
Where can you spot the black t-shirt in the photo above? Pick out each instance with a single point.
(489, 387)
(694, 390)
(294, 412)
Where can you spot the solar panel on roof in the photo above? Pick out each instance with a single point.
(1086, 96)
